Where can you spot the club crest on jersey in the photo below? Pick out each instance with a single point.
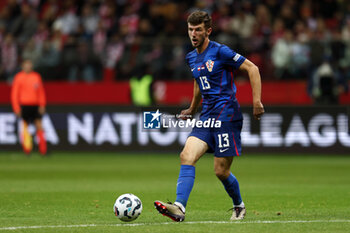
(210, 65)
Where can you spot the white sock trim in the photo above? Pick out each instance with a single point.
(240, 205)
(183, 209)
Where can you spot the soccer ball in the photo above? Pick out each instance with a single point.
(127, 207)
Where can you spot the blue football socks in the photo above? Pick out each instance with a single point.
(232, 188)
(185, 184)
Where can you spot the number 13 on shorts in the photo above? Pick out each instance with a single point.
(223, 140)
(228, 139)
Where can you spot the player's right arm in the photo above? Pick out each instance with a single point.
(42, 97)
(196, 100)
(255, 82)
(234, 59)
(15, 96)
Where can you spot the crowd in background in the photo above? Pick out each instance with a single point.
(81, 39)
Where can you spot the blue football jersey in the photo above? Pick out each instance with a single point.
(213, 71)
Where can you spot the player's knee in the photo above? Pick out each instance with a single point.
(186, 158)
(38, 125)
(222, 173)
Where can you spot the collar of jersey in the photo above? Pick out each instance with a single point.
(206, 49)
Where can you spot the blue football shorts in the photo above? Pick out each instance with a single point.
(224, 141)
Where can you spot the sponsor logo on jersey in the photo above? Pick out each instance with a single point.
(210, 65)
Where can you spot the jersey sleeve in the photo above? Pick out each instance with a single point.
(42, 97)
(14, 94)
(230, 57)
(187, 60)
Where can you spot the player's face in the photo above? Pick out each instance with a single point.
(27, 66)
(198, 33)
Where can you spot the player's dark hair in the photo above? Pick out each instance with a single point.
(199, 17)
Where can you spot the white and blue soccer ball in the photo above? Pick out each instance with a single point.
(127, 207)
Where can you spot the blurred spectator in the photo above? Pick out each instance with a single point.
(176, 64)
(317, 50)
(344, 64)
(107, 13)
(57, 39)
(24, 26)
(9, 59)
(84, 64)
(2, 32)
(129, 24)
(145, 28)
(141, 90)
(99, 40)
(223, 21)
(41, 34)
(287, 14)
(48, 60)
(33, 3)
(128, 62)
(49, 11)
(12, 10)
(288, 39)
(243, 24)
(300, 52)
(5, 20)
(278, 30)
(89, 19)
(31, 52)
(282, 55)
(68, 22)
(114, 51)
(156, 62)
(263, 21)
(325, 85)
(346, 31)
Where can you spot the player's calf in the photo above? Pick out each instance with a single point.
(26, 138)
(42, 142)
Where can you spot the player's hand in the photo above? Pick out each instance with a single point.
(42, 110)
(258, 110)
(19, 114)
(186, 114)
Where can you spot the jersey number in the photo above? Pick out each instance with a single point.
(204, 82)
(223, 140)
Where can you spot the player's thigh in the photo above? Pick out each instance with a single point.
(38, 119)
(38, 124)
(222, 166)
(193, 150)
(27, 114)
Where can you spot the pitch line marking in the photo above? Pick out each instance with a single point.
(169, 223)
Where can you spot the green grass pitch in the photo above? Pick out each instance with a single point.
(75, 192)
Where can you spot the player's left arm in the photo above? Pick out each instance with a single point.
(255, 82)
(42, 97)
(196, 100)
(15, 95)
